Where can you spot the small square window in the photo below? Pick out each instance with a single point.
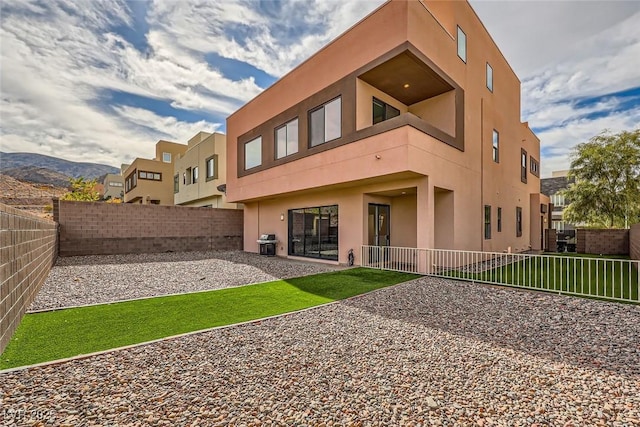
(166, 157)
(143, 174)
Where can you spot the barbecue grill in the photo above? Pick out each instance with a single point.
(267, 244)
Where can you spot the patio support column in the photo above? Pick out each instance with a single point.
(425, 219)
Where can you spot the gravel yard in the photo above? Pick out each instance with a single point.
(105, 278)
(428, 352)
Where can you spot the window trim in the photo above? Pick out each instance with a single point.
(464, 40)
(487, 222)
(258, 141)
(489, 77)
(310, 123)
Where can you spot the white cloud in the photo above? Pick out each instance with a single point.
(58, 59)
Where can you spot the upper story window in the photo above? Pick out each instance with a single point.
(534, 166)
(176, 184)
(557, 199)
(194, 175)
(489, 77)
(499, 225)
(496, 146)
(523, 165)
(154, 176)
(187, 177)
(212, 167)
(462, 45)
(325, 123)
(383, 111)
(287, 139)
(166, 157)
(253, 153)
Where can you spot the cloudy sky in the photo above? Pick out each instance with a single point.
(102, 81)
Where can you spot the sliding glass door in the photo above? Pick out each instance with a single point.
(313, 232)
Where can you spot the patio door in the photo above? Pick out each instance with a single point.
(379, 227)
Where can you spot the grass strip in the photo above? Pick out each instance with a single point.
(585, 275)
(71, 332)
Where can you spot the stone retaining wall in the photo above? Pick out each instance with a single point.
(96, 228)
(28, 249)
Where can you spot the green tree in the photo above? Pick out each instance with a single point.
(606, 181)
(82, 190)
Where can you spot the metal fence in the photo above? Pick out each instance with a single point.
(606, 278)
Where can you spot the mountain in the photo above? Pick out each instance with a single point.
(38, 175)
(64, 167)
(14, 192)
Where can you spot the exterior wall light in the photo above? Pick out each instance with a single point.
(281, 217)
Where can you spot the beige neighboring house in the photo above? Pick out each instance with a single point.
(200, 171)
(113, 186)
(150, 181)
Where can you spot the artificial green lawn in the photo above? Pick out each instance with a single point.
(70, 332)
(570, 273)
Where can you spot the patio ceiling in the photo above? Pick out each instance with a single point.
(407, 79)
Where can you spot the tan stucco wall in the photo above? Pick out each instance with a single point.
(148, 190)
(204, 192)
(111, 191)
(345, 174)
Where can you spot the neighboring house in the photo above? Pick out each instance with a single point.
(150, 181)
(552, 187)
(200, 171)
(404, 131)
(113, 186)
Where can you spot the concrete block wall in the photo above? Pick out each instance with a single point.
(104, 228)
(634, 242)
(28, 249)
(602, 241)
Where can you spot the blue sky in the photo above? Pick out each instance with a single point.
(103, 81)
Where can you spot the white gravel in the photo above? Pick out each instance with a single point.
(428, 352)
(105, 278)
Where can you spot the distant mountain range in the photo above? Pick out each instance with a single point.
(36, 175)
(41, 169)
(67, 168)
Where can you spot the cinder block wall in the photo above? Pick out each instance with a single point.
(634, 242)
(104, 228)
(28, 249)
(602, 241)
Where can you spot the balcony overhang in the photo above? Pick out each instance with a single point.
(407, 78)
